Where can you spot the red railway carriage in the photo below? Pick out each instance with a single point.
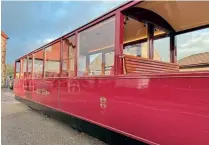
(111, 72)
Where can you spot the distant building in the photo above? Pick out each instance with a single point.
(195, 62)
(4, 38)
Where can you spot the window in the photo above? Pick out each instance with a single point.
(135, 38)
(161, 46)
(23, 63)
(146, 40)
(135, 41)
(52, 60)
(135, 50)
(93, 46)
(95, 65)
(69, 52)
(38, 64)
(109, 61)
(193, 50)
(17, 75)
(30, 65)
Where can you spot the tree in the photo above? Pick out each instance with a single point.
(9, 70)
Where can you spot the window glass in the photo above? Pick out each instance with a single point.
(161, 47)
(109, 61)
(23, 63)
(17, 76)
(135, 38)
(193, 50)
(95, 65)
(93, 43)
(135, 49)
(52, 60)
(30, 61)
(69, 52)
(38, 64)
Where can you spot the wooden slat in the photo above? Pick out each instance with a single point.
(134, 64)
(146, 59)
(149, 62)
(145, 69)
(138, 59)
(129, 69)
(150, 67)
(143, 72)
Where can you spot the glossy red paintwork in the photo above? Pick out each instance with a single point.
(167, 109)
(157, 109)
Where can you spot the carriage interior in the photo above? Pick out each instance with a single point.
(160, 20)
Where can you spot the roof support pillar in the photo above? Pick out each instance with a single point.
(118, 66)
(61, 57)
(173, 52)
(150, 40)
(76, 55)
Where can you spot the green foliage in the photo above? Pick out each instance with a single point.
(9, 70)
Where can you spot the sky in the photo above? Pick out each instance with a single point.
(30, 25)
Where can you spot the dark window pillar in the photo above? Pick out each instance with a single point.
(150, 40)
(173, 54)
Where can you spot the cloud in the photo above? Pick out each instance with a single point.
(42, 42)
(193, 43)
(199, 41)
(48, 40)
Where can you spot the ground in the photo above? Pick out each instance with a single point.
(24, 126)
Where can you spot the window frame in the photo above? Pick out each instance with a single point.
(31, 65)
(62, 54)
(34, 57)
(15, 69)
(114, 15)
(60, 62)
(150, 40)
(22, 60)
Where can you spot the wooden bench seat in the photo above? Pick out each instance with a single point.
(134, 64)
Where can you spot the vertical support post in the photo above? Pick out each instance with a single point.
(103, 63)
(76, 54)
(32, 66)
(150, 40)
(173, 54)
(61, 57)
(21, 68)
(15, 70)
(118, 66)
(44, 57)
(27, 57)
(68, 60)
(87, 65)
